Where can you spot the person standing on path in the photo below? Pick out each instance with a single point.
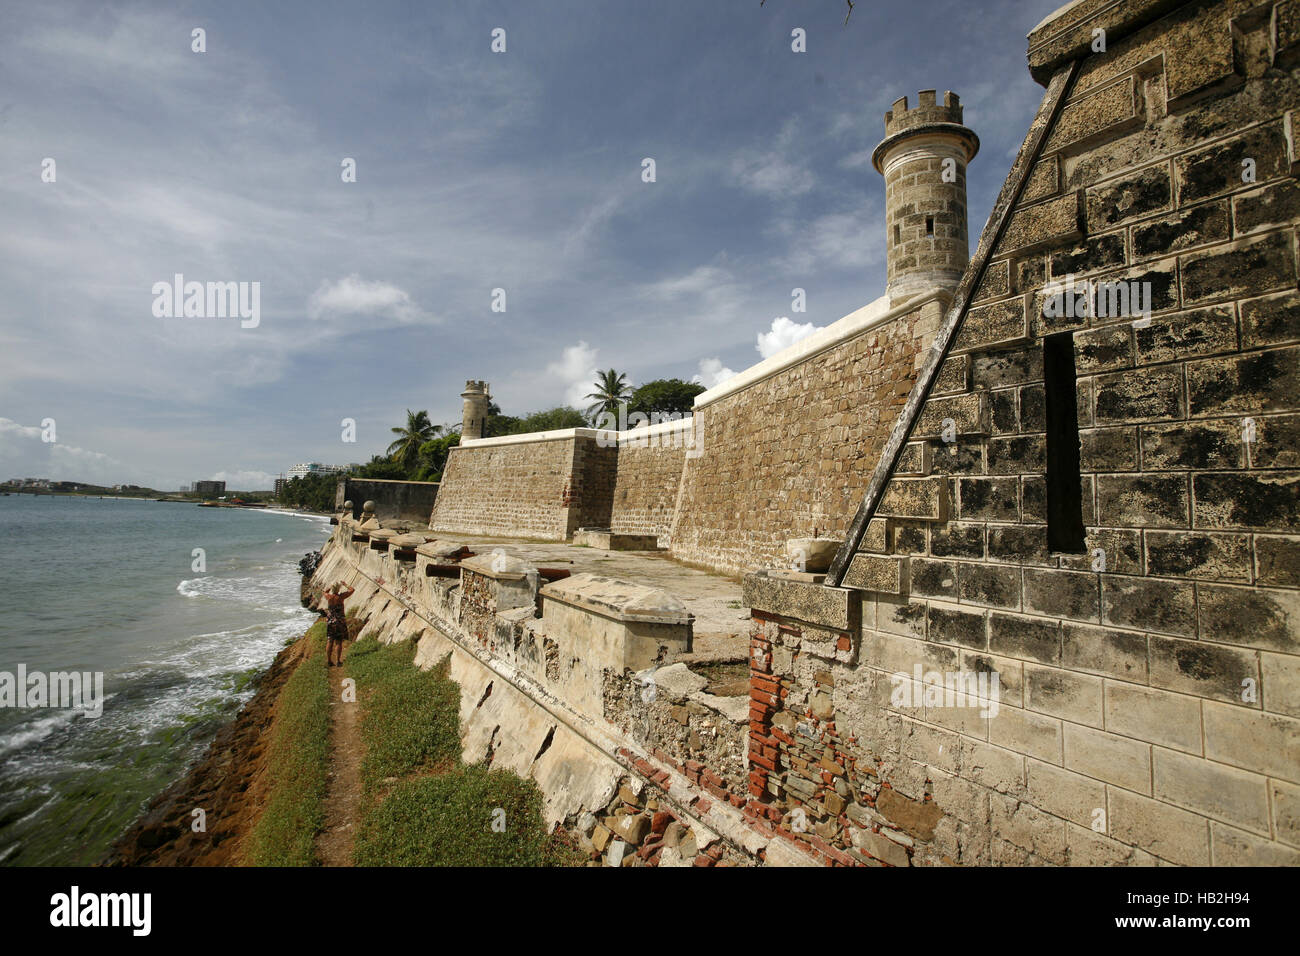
(336, 622)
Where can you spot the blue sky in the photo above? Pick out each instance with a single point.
(474, 171)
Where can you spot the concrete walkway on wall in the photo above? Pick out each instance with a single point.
(716, 601)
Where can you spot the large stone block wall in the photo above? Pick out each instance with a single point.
(1150, 683)
(789, 456)
(591, 490)
(514, 490)
(646, 486)
(401, 500)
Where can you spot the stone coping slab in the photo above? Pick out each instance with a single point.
(713, 599)
(1066, 33)
(609, 541)
(620, 600)
(774, 593)
(440, 548)
(499, 566)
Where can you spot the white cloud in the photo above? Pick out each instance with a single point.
(22, 450)
(845, 240)
(698, 282)
(576, 371)
(782, 335)
(708, 294)
(11, 427)
(712, 373)
(774, 172)
(859, 160)
(353, 295)
(591, 221)
(772, 176)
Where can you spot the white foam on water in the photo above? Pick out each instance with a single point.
(38, 729)
(184, 666)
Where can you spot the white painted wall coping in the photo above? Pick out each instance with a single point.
(557, 434)
(564, 434)
(852, 325)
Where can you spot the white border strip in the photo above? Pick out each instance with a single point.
(852, 325)
(565, 434)
(558, 434)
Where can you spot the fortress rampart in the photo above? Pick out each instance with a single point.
(1063, 624)
(782, 450)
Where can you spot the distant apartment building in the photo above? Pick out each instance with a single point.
(303, 469)
(210, 487)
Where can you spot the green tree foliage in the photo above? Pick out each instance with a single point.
(433, 457)
(381, 466)
(562, 416)
(405, 450)
(665, 396)
(611, 390)
(498, 424)
(313, 492)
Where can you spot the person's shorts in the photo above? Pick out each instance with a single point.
(337, 632)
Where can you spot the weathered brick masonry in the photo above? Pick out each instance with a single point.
(1150, 676)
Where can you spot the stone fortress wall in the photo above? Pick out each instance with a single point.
(784, 449)
(788, 445)
(1096, 507)
(1149, 670)
(647, 482)
(528, 486)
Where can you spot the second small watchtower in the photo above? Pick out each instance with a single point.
(474, 409)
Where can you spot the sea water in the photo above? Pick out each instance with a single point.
(110, 586)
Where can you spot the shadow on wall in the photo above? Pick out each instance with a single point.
(394, 500)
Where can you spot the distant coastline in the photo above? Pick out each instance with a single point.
(172, 499)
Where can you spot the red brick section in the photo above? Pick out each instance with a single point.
(771, 751)
(815, 758)
(765, 695)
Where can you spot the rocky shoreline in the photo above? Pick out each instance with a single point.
(226, 785)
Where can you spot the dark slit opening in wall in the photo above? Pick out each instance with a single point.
(546, 744)
(897, 234)
(929, 225)
(1064, 485)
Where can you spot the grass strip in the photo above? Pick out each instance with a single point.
(425, 807)
(410, 719)
(297, 760)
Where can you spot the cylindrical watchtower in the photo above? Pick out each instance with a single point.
(923, 158)
(474, 409)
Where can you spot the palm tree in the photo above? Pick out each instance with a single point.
(406, 449)
(611, 390)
